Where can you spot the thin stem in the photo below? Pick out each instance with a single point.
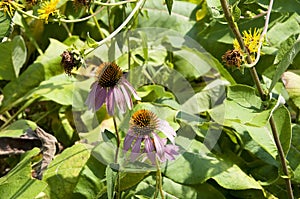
(97, 24)
(159, 179)
(30, 36)
(28, 103)
(118, 139)
(125, 22)
(64, 20)
(262, 36)
(255, 77)
(115, 3)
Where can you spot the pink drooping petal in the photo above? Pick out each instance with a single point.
(110, 103)
(96, 97)
(100, 96)
(131, 89)
(136, 149)
(165, 128)
(126, 96)
(149, 149)
(119, 99)
(171, 151)
(128, 140)
(159, 146)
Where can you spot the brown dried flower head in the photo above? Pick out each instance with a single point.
(233, 58)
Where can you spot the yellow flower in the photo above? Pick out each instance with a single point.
(9, 6)
(251, 41)
(48, 8)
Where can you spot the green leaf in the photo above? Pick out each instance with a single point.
(283, 125)
(63, 172)
(91, 180)
(236, 12)
(292, 85)
(159, 17)
(234, 178)
(285, 46)
(91, 42)
(171, 189)
(13, 56)
(197, 167)
(244, 106)
(59, 89)
(18, 128)
(111, 177)
(169, 4)
(46, 66)
(5, 24)
(282, 31)
(294, 153)
(18, 183)
(287, 59)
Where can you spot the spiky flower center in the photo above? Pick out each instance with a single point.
(108, 74)
(143, 122)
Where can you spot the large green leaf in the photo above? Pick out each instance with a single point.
(63, 172)
(287, 59)
(292, 85)
(18, 183)
(283, 125)
(18, 128)
(158, 16)
(90, 182)
(294, 153)
(5, 21)
(282, 31)
(244, 106)
(234, 178)
(13, 56)
(174, 190)
(46, 66)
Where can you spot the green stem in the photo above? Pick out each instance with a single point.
(118, 139)
(97, 24)
(115, 3)
(28, 103)
(159, 179)
(117, 190)
(262, 94)
(30, 36)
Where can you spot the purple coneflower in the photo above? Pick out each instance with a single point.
(111, 87)
(144, 126)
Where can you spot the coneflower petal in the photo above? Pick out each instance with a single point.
(165, 128)
(128, 141)
(159, 146)
(135, 152)
(119, 99)
(110, 103)
(126, 96)
(130, 88)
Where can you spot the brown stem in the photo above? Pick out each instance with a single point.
(262, 94)
(118, 139)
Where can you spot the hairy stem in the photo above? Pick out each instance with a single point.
(262, 94)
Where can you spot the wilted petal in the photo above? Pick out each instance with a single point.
(96, 97)
(126, 96)
(100, 97)
(135, 152)
(159, 146)
(110, 104)
(128, 141)
(165, 128)
(171, 150)
(119, 99)
(149, 147)
(130, 88)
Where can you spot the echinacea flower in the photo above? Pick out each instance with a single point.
(48, 8)
(111, 87)
(142, 137)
